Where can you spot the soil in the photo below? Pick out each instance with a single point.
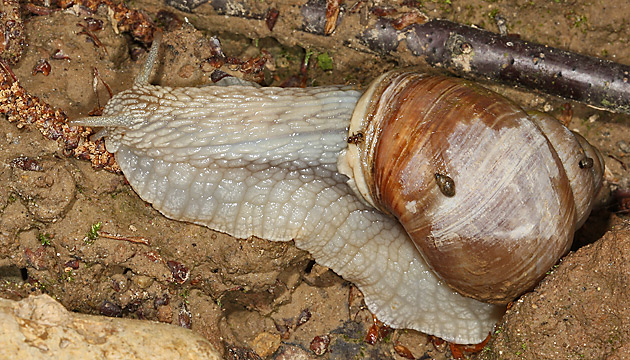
(580, 311)
(253, 297)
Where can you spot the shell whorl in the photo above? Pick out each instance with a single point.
(582, 162)
(511, 214)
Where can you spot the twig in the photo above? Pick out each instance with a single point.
(477, 53)
(132, 239)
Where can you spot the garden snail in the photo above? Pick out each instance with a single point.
(491, 200)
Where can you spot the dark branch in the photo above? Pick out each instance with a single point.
(472, 52)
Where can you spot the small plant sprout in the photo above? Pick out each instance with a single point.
(44, 239)
(92, 235)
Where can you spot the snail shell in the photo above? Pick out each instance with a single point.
(517, 185)
(328, 166)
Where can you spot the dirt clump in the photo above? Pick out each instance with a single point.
(581, 310)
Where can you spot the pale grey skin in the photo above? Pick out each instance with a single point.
(251, 161)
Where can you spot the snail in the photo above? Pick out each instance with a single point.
(441, 200)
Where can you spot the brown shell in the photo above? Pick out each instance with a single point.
(508, 215)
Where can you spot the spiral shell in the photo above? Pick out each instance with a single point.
(479, 185)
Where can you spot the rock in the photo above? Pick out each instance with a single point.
(47, 187)
(581, 310)
(40, 328)
(266, 344)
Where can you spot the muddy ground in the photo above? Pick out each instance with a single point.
(253, 296)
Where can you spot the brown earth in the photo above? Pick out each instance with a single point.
(580, 311)
(270, 297)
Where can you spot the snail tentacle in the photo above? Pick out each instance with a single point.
(102, 121)
(143, 77)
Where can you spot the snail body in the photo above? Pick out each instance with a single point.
(332, 169)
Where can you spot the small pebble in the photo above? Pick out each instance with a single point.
(623, 146)
(186, 71)
(165, 314)
(319, 344)
(142, 281)
(110, 309)
(292, 352)
(266, 344)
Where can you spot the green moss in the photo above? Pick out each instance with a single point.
(324, 61)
